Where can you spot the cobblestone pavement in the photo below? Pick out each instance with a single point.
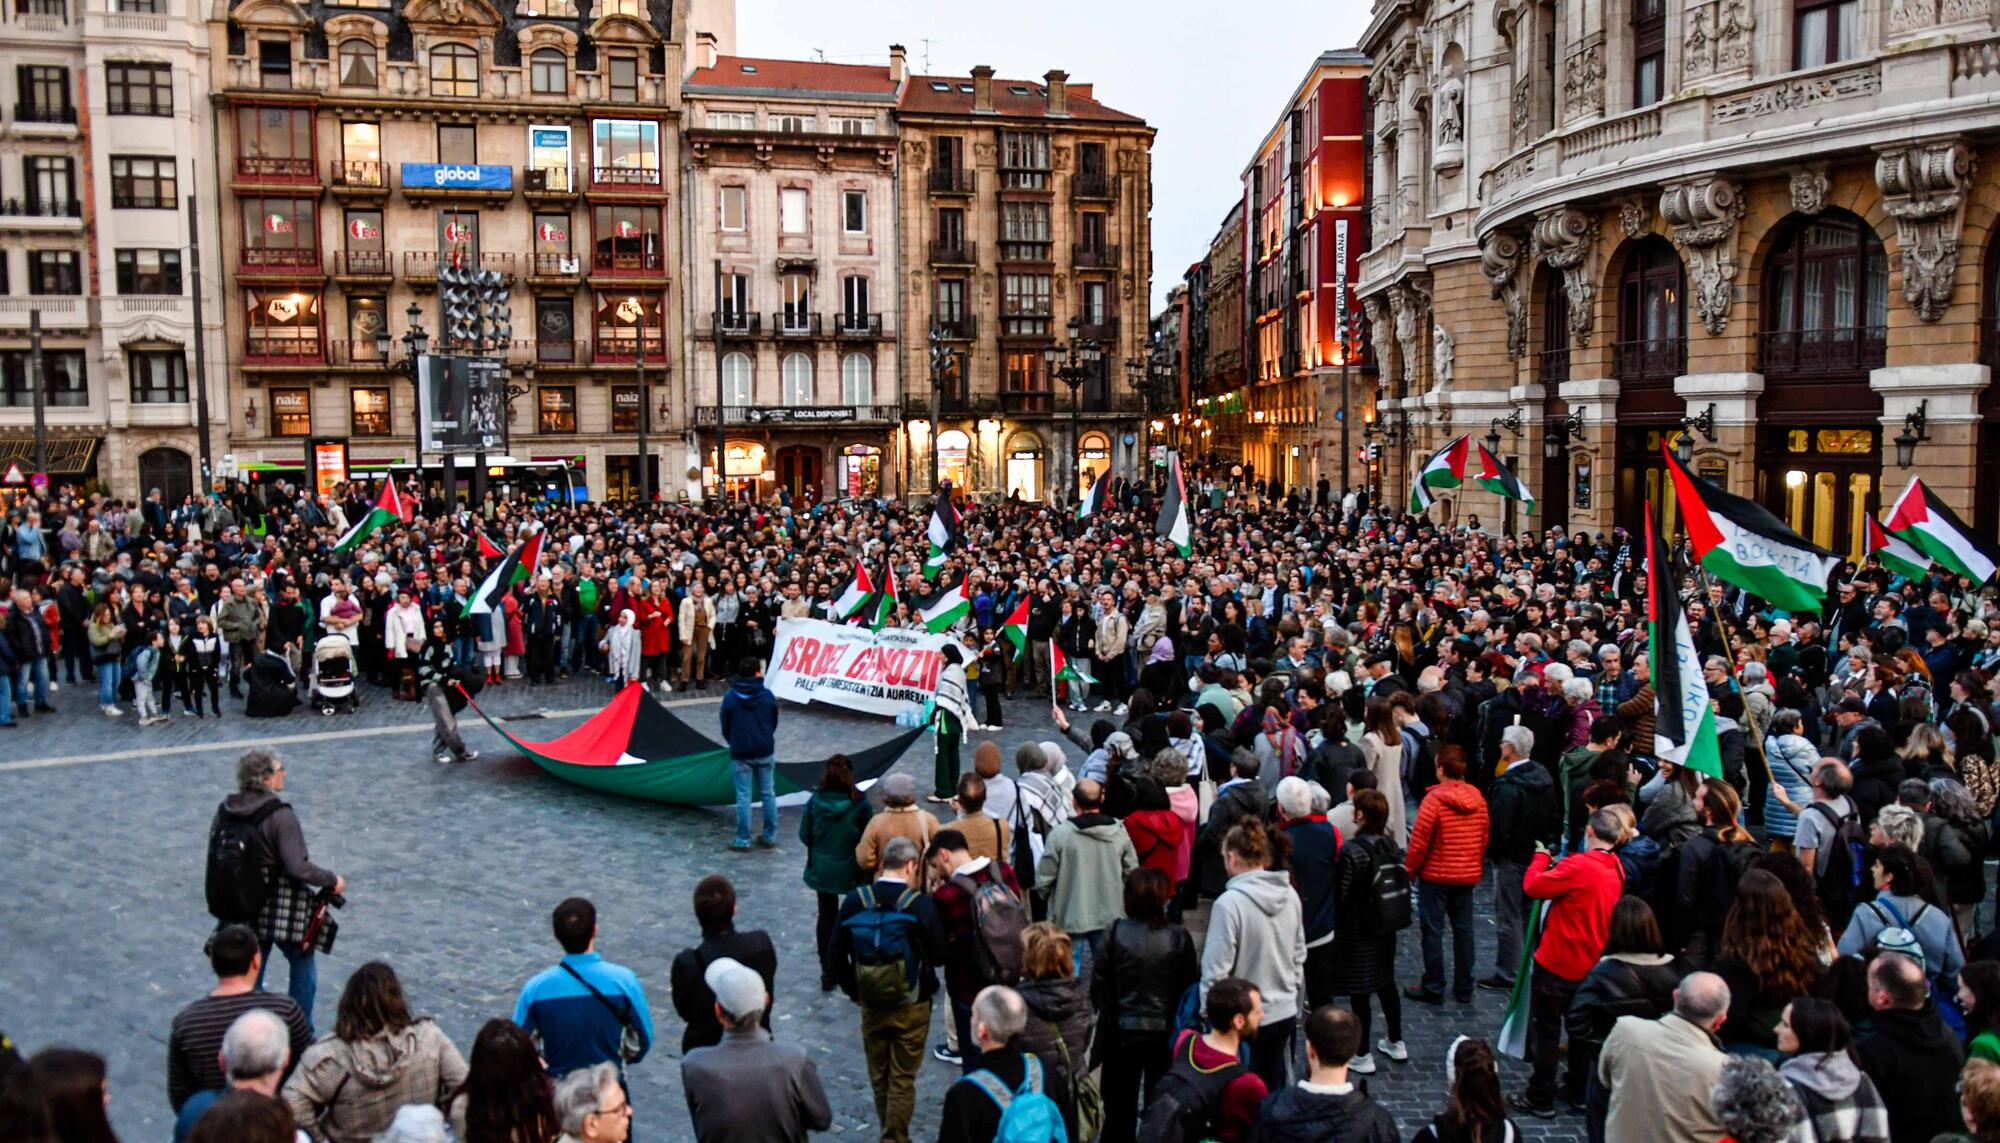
(452, 872)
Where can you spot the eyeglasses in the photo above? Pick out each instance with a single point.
(624, 1109)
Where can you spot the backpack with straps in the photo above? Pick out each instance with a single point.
(1423, 767)
(887, 973)
(1187, 1096)
(1839, 881)
(1027, 1114)
(237, 883)
(997, 920)
(1389, 887)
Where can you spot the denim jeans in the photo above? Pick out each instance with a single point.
(584, 653)
(34, 676)
(303, 982)
(6, 699)
(765, 772)
(465, 651)
(1437, 904)
(108, 674)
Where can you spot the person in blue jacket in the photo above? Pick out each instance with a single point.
(750, 724)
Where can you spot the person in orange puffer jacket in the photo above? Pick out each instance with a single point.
(1447, 850)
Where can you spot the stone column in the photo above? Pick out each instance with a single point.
(1734, 396)
(1597, 400)
(1948, 459)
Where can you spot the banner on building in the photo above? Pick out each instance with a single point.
(878, 672)
(463, 403)
(458, 176)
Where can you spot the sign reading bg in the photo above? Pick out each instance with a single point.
(879, 672)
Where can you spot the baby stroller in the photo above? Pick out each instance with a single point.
(333, 675)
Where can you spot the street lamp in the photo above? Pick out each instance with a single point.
(1511, 422)
(1073, 362)
(1703, 424)
(1556, 434)
(1916, 430)
(415, 342)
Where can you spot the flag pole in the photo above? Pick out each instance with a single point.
(1729, 647)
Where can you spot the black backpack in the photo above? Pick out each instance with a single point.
(1186, 1098)
(1839, 882)
(1423, 768)
(1389, 886)
(237, 882)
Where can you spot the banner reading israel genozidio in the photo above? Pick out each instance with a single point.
(879, 672)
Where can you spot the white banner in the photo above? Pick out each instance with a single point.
(880, 672)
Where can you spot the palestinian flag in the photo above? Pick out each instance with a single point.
(488, 550)
(1445, 469)
(1513, 1039)
(943, 608)
(1742, 543)
(1683, 715)
(1896, 553)
(1175, 523)
(1015, 629)
(848, 601)
(388, 510)
(883, 605)
(1500, 480)
(518, 566)
(1920, 519)
(942, 532)
(1093, 500)
(637, 748)
(1064, 669)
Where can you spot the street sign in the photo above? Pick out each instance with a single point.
(40, 483)
(14, 474)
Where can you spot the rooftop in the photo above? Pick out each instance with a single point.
(747, 75)
(1012, 99)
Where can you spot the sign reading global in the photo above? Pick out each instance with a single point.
(454, 176)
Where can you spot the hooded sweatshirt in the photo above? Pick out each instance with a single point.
(1082, 870)
(1256, 931)
(750, 719)
(1841, 1103)
(360, 1085)
(1313, 1113)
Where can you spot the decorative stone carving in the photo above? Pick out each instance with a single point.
(1912, 15)
(1960, 11)
(1583, 83)
(1500, 261)
(1809, 187)
(1923, 189)
(1564, 238)
(1442, 354)
(1698, 45)
(916, 151)
(1735, 21)
(1380, 334)
(1704, 214)
(1634, 217)
(1524, 92)
(1410, 305)
(1798, 94)
(1448, 115)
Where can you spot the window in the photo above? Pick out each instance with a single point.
(159, 376)
(951, 299)
(54, 272)
(143, 183)
(1024, 160)
(1826, 302)
(54, 8)
(360, 161)
(1652, 310)
(1090, 231)
(626, 151)
(625, 409)
(548, 72)
(733, 209)
(1094, 303)
(1024, 231)
(149, 6)
(63, 385)
(458, 237)
(291, 413)
(555, 406)
(357, 63)
(628, 237)
(854, 299)
(139, 88)
(633, 8)
(792, 210)
(794, 124)
(274, 64)
(852, 125)
(368, 412)
(624, 79)
(854, 212)
(275, 142)
(732, 120)
(1825, 31)
(149, 271)
(362, 237)
(626, 323)
(367, 316)
(458, 143)
(1024, 304)
(795, 289)
(556, 9)
(798, 379)
(736, 379)
(555, 329)
(857, 379)
(454, 71)
(281, 325)
(736, 301)
(951, 228)
(51, 183)
(280, 232)
(44, 95)
(551, 238)
(1026, 380)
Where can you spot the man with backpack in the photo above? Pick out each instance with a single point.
(1010, 1097)
(979, 905)
(886, 947)
(1830, 840)
(259, 873)
(1326, 1105)
(1208, 1090)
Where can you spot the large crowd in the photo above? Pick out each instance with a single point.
(1298, 748)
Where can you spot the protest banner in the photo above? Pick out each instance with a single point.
(878, 672)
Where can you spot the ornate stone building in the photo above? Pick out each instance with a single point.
(1758, 222)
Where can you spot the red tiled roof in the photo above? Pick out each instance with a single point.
(921, 97)
(794, 75)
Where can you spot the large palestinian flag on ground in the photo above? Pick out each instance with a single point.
(388, 510)
(1176, 522)
(637, 748)
(1445, 469)
(1500, 480)
(1921, 519)
(1896, 553)
(518, 566)
(1683, 716)
(1740, 542)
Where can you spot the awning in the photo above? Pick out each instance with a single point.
(68, 455)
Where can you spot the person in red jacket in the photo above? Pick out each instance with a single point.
(1154, 827)
(1446, 855)
(654, 613)
(1581, 891)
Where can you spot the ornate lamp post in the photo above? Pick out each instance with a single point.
(1073, 362)
(416, 342)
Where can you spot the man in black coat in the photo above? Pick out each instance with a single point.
(1242, 798)
(715, 909)
(971, 1114)
(1909, 1052)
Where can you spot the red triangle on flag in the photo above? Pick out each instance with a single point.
(486, 549)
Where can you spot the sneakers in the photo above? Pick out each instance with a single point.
(1393, 1049)
(1102, 706)
(54, 686)
(469, 756)
(944, 1055)
(1495, 984)
(442, 758)
(1526, 1106)
(1363, 1065)
(112, 712)
(1119, 710)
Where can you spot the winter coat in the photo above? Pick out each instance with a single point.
(695, 612)
(1791, 758)
(1256, 933)
(1875, 785)
(1912, 1054)
(1840, 1101)
(1057, 1006)
(1387, 763)
(1936, 936)
(517, 634)
(1315, 855)
(349, 1092)
(750, 719)
(1623, 984)
(622, 648)
(655, 618)
(1580, 718)
(1521, 812)
(1670, 819)
(1137, 980)
(1156, 837)
(1295, 1115)
(1706, 872)
(403, 626)
(894, 821)
(1581, 889)
(1448, 842)
(1235, 802)
(1637, 715)
(1082, 872)
(1364, 958)
(830, 828)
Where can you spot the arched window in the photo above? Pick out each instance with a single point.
(357, 63)
(1652, 314)
(1826, 298)
(736, 379)
(169, 470)
(1552, 363)
(548, 72)
(953, 449)
(798, 379)
(454, 71)
(857, 379)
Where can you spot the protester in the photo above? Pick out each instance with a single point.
(973, 1106)
(750, 723)
(1208, 1091)
(832, 826)
(979, 906)
(1661, 1073)
(1060, 1019)
(1326, 1104)
(1256, 933)
(585, 1010)
(887, 946)
(200, 1028)
(252, 1054)
(715, 912)
(593, 1106)
(1447, 847)
(1082, 871)
(349, 1086)
(900, 817)
(1147, 964)
(1753, 1103)
(1907, 1051)
(507, 1095)
(1840, 1104)
(1581, 891)
(1364, 943)
(748, 1087)
(1635, 976)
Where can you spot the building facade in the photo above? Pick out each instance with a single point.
(368, 149)
(98, 157)
(1024, 224)
(789, 191)
(1755, 223)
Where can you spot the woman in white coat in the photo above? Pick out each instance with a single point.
(621, 649)
(1382, 745)
(403, 633)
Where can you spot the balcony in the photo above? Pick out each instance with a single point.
(795, 323)
(267, 350)
(548, 184)
(1552, 365)
(501, 264)
(953, 180)
(1032, 250)
(363, 264)
(556, 268)
(420, 267)
(799, 414)
(30, 112)
(638, 264)
(736, 323)
(358, 178)
(1094, 256)
(1024, 178)
(961, 327)
(1027, 401)
(28, 214)
(625, 350)
(361, 353)
(1093, 185)
(1651, 359)
(57, 312)
(267, 170)
(548, 352)
(953, 252)
(1814, 352)
(857, 325)
(280, 262)
(635, 180)
(1103, 328)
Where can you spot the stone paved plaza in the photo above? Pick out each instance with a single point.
(452, 872)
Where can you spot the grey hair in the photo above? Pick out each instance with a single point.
(1951, 801)
(1901, 824)
(254, 767)
(1578, 647)
(1754, 1103)
(1755, 672)
(581, 1093)
(898, 852)
(1322, 801)
(1520, 738)
(1001, 1011)
(1577, 690)
(1295, 798)
(1701, 997)
(1786, 721)
(416, 1123)
(257, 1044)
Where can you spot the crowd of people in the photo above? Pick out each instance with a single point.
(1304, 746)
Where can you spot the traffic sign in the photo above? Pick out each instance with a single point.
(40, 483)
(14, 474)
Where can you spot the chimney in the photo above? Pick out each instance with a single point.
(1080, 90)
(896, 64)
(982, 89)
(1058, 92)
(704, 49)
